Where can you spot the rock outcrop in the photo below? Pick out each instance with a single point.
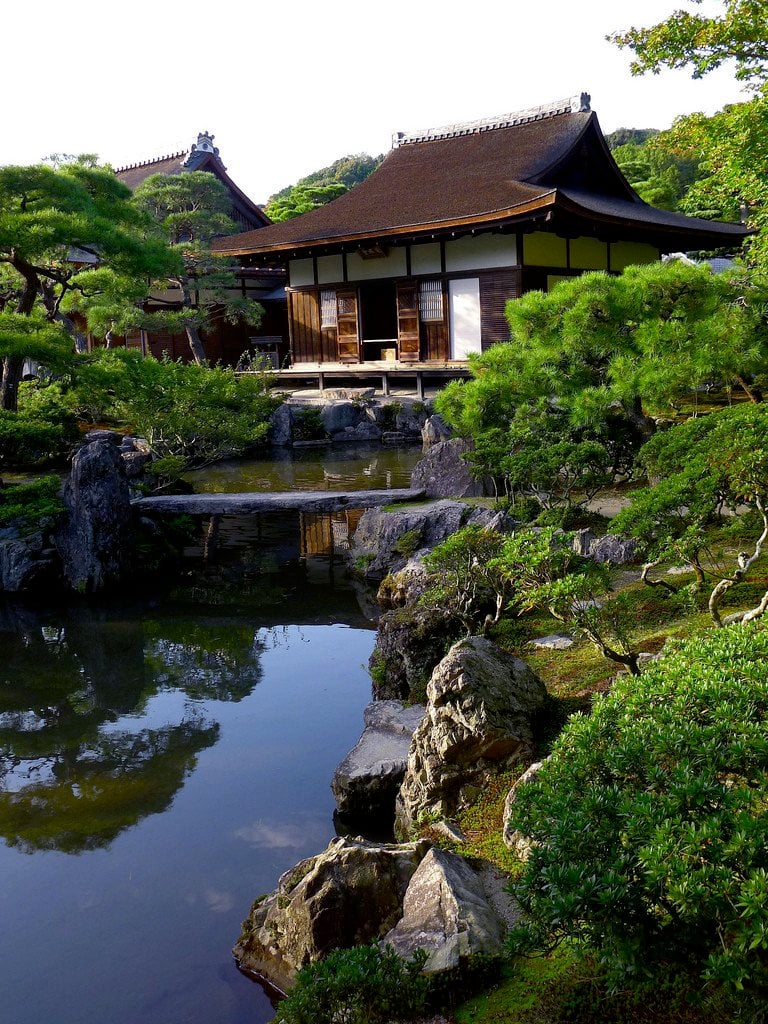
(609, 549)
(443, 473)
(27, 562)
(478, 722)
(385, 541)
(95, 541)
(447, 912)
(367, 781)
(403, 587)
(434, 431)
(350, 894)
(409, 643)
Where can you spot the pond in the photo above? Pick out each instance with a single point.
(164, 757)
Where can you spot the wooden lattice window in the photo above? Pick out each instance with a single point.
(430, 300)
(328, 316)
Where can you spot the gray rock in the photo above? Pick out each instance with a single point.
(385, 541)
(583, 541)
(111, 436)
(443, 473)
(446, 911)
(26, 563)
(364, 431)
(404, 587)
(434, 431)
(409, 643)
(281, 426)
(367, 781)
(135, 462)
(409, 422)
(349, 394)
(348, 895)
(338, 415)
(614, 550)
(95, 541)
(513, 839)
(477, 723)
(555, 642)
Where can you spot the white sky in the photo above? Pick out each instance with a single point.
(289, 87)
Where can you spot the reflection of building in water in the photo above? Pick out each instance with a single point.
(324, 535)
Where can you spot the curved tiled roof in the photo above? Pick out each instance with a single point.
(477, 175)
(442, 180)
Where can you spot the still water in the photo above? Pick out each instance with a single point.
(163, 759)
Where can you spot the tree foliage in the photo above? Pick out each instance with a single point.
(692, 40)
(650, 838)
(320, 187)
(190, 210)
(706, 467)
(56, 226)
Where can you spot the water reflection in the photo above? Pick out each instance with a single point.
(87, 746)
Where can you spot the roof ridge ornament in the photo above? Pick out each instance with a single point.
(577, 104)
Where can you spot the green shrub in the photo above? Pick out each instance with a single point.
(190, 412)
(650, 824)
(407, 544)
(308, 425)
(363, 985)
(30, 506)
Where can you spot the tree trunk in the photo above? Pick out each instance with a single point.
(196, 344)
(13, 367)
(634, 412)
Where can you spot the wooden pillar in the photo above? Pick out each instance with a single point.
(420, 385)
(385, 383)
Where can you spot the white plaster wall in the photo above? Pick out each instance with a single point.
(480, 252)
(300, 272)
(425, 259)
(330, 269)
(392, 265)
(464, 300)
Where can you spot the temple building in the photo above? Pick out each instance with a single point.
(413, 267)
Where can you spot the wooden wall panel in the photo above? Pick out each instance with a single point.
(304, 326)
(496, 289)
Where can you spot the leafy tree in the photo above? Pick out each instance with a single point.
(188, 413)
(706, 466)
(544, 572)
(659, 173)
(629, 136)
(650, 838)
(567, 404)
(685, 39)
(191, 209)
(464, 578)
(303, 198)
(55, 225)
(733, 168)
(321, 186)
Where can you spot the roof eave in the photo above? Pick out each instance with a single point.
(489, 219)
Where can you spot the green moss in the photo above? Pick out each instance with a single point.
(407, 544)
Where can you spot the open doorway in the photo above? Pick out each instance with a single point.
(378, 318)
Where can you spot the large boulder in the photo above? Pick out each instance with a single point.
(95, 540)
(384, 541)
(336, 416)
(478, 722)
(447, 912)
(443, 473)
(350, 894)
(409, 643)
(367, 781)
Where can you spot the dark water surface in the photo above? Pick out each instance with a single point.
(163, 759)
